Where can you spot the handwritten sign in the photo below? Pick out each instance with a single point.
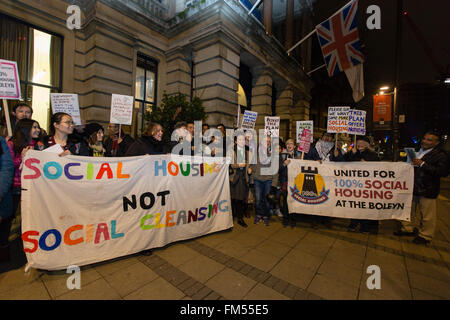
(305, 141)
(249, 119)
(121, 109)
(337, 119)
(301, 125)
(357, 122)
(9, 80)
(272, 126)
(67, 103)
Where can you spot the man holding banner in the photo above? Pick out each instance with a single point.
(430, 165)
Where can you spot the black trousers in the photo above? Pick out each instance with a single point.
(238, 208)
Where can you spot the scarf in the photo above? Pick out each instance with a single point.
(323, 148)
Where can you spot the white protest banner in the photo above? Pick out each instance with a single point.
(82, 210)
(357, 122)
(305, 141)
(337, 119)
(121, 109)
(67, 103)
(309, 124)
(272, 126)
(9, 80)
(249, 119)
(359, 190)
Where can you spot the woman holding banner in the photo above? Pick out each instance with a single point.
(61, 132)
(27, 135)
(6, 210)
(117, 143)
(150, 143)
(362, 152)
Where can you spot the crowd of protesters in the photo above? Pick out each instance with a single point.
(247, 176)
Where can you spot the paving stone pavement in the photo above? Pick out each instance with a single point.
(258, 263)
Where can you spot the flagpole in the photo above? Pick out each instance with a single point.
(324, 65)
(256, 4)
(312, 32)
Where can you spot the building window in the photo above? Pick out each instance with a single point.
(145, 94)
(38, 54)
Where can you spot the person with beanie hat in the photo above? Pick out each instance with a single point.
(93, 133)
(362, 152)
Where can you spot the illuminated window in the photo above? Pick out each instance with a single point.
(145, 93)
(38, 56)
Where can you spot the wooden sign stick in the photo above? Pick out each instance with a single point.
(8, 120)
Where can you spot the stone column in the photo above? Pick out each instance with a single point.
(262, 94)
(216, 77)
(300, 111)
(178, 73)
(284, 106)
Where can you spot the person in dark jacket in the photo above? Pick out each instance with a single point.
(116, 146)
(150, 143)
(430, 165)
(93, 134)
(324, 150)
(362, 152)
(62, 133)
(6, 203)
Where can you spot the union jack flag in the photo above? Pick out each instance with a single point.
(339, 40)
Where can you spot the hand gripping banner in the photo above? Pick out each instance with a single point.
(82, 210)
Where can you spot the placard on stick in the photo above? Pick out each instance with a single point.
(9, 87)
(337, 119)
(249, 119)
(301, 125)
(121, 109)
(357, 122)
(67, 103)
(272, 126)
(305, 141)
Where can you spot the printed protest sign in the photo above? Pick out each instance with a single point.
(272, 126)
(82, 210)
(68, 103)
(121, 109)
(337, 119)
(305, 141)
(9, 80)
(309, 124)
(357, 122)
(359, 190)
(249, 119)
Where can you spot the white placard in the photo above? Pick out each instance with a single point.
(272, 126)
(121, 109)
(337, 119)
(357, 122)
(308, 124)
(9, 80)
(54, 149)
(249, 119)
(67, 103)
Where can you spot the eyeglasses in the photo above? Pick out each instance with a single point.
(70, 123)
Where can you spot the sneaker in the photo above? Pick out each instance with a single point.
(257, 219)
(278, 213)
(266, 222)
(420, 240)
(241, 222)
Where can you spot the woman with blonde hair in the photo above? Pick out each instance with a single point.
(150, 143)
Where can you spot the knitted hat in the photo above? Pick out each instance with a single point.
(91, 128)
(364, 138)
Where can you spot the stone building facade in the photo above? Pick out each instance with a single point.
(144, 48)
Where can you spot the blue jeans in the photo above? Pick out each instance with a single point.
(262, 189)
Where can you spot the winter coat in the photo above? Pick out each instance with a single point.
(146, 145)
(427, 177)
(6, 179)
(127, 141)
(75, 144)
(366, 155)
